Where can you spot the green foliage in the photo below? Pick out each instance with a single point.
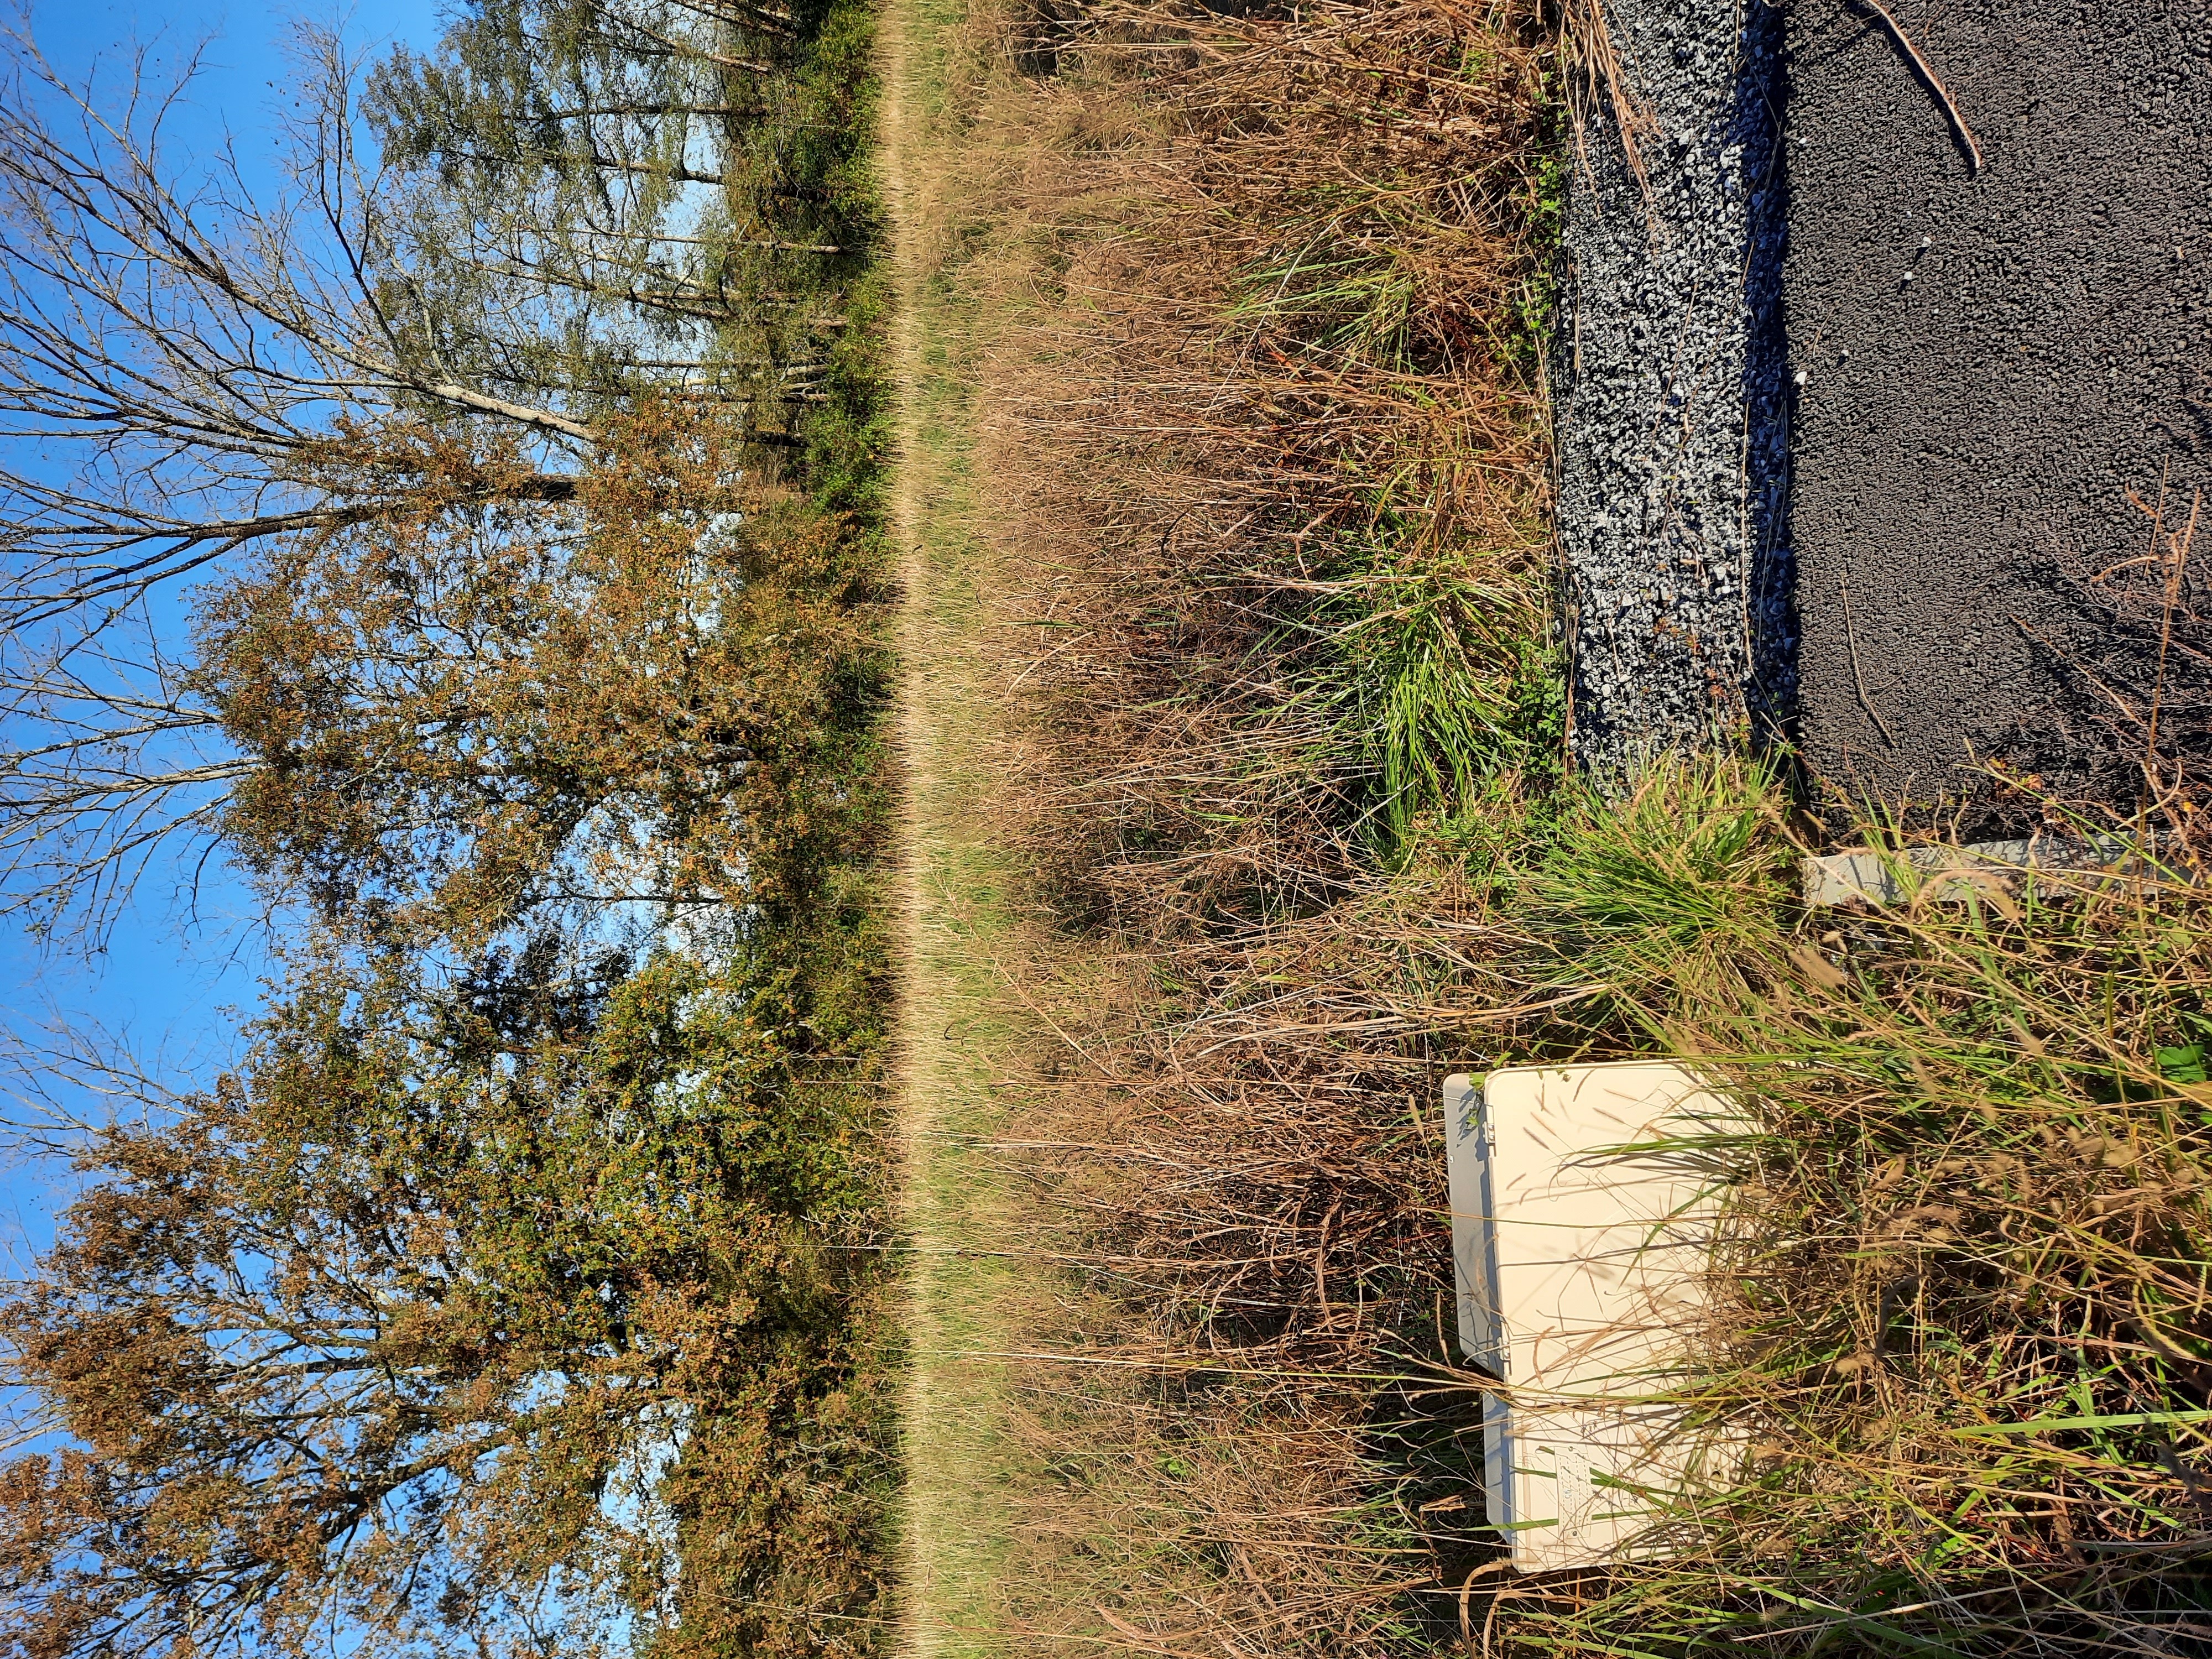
(1535, 305)
(2183, 1064)
(848, 436)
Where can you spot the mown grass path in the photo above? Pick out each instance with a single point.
(953, 1034)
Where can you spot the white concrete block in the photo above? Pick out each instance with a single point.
(1581, 1236)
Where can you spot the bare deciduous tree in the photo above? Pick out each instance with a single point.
(191, 374)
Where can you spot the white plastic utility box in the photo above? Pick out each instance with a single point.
(1581, 1231)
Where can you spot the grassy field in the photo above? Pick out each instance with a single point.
(1034, 1503)
(1079, 1469)
(1239, 816)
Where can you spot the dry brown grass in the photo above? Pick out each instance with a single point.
(1278, 431)
(1267, 468)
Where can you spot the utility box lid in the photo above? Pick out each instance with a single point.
(1583, 1199)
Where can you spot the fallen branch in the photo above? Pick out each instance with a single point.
(1928, 73)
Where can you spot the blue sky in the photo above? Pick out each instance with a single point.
(165, 983)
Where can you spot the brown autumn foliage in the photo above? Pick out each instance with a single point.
(483, 703)
(505, 1293)
(454, 1317)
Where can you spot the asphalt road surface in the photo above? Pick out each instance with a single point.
(1886, 452)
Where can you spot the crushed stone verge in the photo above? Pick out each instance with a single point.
(1668, 379)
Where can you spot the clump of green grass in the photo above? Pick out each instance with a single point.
(1425, 681)
(1673, 886)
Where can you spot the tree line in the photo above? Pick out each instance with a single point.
(466, 535)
